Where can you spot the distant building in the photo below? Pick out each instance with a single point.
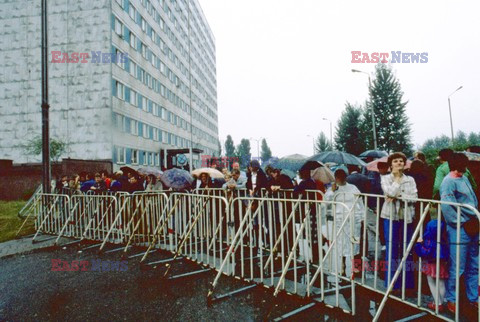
(128, 110)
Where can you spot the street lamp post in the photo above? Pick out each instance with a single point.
(46, 174)
(373, 115)
(331, 136)
(258, 146)
(313, 142)
(450, 111)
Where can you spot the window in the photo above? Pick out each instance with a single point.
(155, 135)
(153, 36)
(132, 12)
(120, 155)
(163, 113)
(157, 159)
(134, 127)
(118, 28)
(155, 109)
(133, 68)
(142, 75)
(143, 24)
(145, 160)
(119, 59)
(150, 158)
(133, 98)
(134, 159)
(120, 91)
(165, 137)
(144, 104)
(143, 48)
(163, 68)
(146, 131)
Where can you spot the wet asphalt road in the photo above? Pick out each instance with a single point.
(31, 291)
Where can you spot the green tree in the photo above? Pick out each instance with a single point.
(266, 153)
(57, 147)
(349, 135)
(243, 153)
(391, 121)
(462, 141)
(229, 147)
(322, 143)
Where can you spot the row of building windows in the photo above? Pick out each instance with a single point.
(136, 157)
(150, 32)
(156, 62)
(126, 94)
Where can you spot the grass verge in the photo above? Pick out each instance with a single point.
(9, 221)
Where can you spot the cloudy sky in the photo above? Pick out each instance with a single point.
(283, 66)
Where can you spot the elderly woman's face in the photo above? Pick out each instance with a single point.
(398, 164)
(204, 177)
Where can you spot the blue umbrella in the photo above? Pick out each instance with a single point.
(337, 157)
(177, 179)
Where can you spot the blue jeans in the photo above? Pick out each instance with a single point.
(468, 249)
(397, 253)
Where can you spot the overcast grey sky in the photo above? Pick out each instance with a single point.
(282, 65)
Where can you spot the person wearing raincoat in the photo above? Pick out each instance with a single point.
(345, 193)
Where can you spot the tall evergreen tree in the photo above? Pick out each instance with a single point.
(348, 135)
(243, 152)
(391, 120)
(322, 143)
(266, 153)
(229, 147)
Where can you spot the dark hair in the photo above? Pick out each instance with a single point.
(445, 154)
(421, 156)
(269, 168)
(341, 174)
(458, 161)
(417, 166)
(97, 175)
(382, 164)
(396, 155)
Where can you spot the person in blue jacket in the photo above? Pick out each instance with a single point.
(426, 248)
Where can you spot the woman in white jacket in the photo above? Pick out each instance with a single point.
(395, 212)
(345, 193)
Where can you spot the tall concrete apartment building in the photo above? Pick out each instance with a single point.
(106, 107)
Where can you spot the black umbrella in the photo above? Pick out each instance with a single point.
(337, 157)
(311, 165)
(375, 154)
(126, 170)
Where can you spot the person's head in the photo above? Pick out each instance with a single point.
(254, 166)
(445, 154)
(236, 165)
(64, 179)
(382, 167)
(269, 170)
(225, 171)
(419, 155)
(276, 173)
(204, 177)
(98, 177)
(235, 174)
(151, 179)
(129, 175)
(416, 167)
(104, 174)
(396, 161)
(132, 179)
(340, 177)
(458, 162)
(304, 174)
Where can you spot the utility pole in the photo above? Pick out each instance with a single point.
(46, 174)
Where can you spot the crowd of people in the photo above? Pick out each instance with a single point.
(451, 182)
(103, 181)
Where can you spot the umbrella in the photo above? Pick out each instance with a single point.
(338, 157)
(291, 162)
(177, 179)
(323, 174)
(472, 156)
(126, 170)
(289, 173)
(375, 154)
(213, 173)
(150, 170)
(373, 166)
(311, 165)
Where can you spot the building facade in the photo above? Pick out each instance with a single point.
(120, 77)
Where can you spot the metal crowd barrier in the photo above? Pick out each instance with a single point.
(297, 243)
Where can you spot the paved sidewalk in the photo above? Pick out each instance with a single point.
(25, 245)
